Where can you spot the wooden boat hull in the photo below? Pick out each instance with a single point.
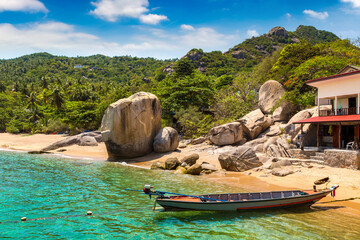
(186, 203)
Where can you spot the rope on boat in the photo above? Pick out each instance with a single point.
(88, 214)
(161, 193)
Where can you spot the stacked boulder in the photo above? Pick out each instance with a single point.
(268, 130)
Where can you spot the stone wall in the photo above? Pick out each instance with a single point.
(342, 158)
(298, 153)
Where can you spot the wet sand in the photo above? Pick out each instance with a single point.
(348, 180)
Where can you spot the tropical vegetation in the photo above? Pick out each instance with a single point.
(45, 93)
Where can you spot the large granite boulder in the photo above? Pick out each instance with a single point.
(130, 125)
(293, 129)
(255, 123)
(241, 159)
(166, 140)
(226, 134)
(269, 94)
(283, 113)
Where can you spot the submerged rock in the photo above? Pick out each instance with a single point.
(172, 163)
(180, 170)
(157, 166)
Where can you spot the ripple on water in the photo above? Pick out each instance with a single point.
(44, 186)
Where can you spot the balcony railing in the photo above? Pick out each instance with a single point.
(340, 111)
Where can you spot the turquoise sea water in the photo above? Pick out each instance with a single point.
(40, 186)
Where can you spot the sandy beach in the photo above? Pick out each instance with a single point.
(347, 195)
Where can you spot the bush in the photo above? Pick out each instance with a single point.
(56, 126)
(193, 123)
(12, 129)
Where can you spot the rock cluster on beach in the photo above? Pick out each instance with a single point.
(267, 131)
(187, 165)
(131, 128)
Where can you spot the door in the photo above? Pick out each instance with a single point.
(335, 135)
(352, 106)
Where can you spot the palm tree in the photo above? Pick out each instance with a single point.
(56, 99)
(32, 101)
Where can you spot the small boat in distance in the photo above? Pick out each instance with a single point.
(238, 201)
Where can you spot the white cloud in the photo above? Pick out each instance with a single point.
(63, 39)
(152, 18)
(187, 27)
(252, 33)
(288, 15)
(318, 15)
(22, 5)
(112, 10)
(53, 37)
(354, 3)
(206, 38)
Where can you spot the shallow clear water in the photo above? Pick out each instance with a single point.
(40, 186)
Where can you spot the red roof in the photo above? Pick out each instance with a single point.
(327, 119)
(332, 76)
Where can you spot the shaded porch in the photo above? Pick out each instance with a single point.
(341, 132)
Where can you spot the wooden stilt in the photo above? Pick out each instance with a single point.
(339, 135)
(317, 135)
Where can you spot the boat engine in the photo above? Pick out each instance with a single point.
(147, 189)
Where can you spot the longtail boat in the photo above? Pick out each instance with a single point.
(238, 201)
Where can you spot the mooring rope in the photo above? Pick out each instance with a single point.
(88, 214)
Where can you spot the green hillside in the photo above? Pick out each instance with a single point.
(45, 93)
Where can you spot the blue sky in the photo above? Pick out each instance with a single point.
(159, 28)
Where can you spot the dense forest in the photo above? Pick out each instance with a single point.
(45, 93)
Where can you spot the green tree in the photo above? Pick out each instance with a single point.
(57, 99)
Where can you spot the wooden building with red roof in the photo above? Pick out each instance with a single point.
(338, 125)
